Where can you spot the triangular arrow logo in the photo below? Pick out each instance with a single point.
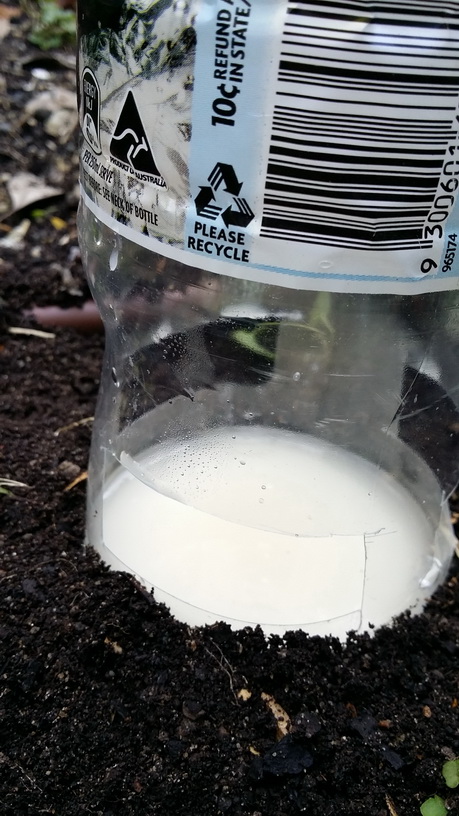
(129, 144)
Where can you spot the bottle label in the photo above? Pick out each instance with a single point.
(302, 143)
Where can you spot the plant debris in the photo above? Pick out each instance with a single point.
(26, 188)
(281, 716)
(53, 25)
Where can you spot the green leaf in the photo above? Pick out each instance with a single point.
(434, 806)
(54, 27)
(450, 773)
(248, 339)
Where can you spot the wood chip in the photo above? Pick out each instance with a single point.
(58, 223)
(114, 645)
(14, 238)
(281, 716)
(81, 478)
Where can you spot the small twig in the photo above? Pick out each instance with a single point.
(390, 806)
(224, 659)
(32, 332)
(5, 484)
(81, 478)
(228, 671)
(15, 765)
(84, 421)
(12, 483)
(53, 561)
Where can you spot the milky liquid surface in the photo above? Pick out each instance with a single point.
(261, 526)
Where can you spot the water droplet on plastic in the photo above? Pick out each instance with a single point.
(115, 377)
(326, 264)
(261, 501)
(241, 462)
(113, 262)
(296, 376)
(263, 487)
(432, 575)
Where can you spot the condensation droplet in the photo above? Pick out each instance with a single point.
(113, 261)
(263, 487)
(326, 264)
(241, 462)
(296, 376)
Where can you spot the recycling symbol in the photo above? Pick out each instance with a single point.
(238, 213)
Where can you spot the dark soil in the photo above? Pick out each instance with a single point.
(109, 706)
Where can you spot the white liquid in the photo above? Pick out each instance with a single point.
(259, 526)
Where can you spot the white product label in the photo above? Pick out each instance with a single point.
(308, 144)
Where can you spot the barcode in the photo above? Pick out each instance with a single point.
(364, 116)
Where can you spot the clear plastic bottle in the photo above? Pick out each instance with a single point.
(276, 434)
